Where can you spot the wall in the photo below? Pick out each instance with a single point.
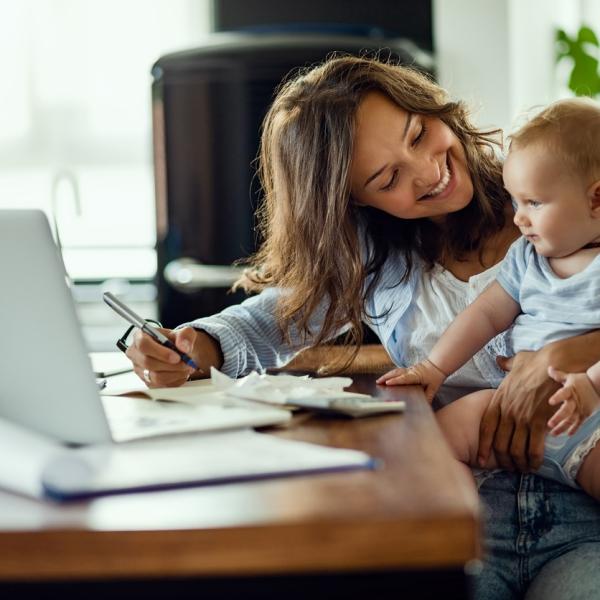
(499, 54)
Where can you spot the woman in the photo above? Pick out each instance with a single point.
(383, 204)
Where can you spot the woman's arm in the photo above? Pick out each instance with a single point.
(239, 339)
(250, 337)
(515, 423)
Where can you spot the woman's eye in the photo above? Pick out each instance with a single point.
(391, 183)
(421, 135)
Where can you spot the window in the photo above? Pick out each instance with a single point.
(75, 124)
(75, 129)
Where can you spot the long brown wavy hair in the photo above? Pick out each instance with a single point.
(308, 221)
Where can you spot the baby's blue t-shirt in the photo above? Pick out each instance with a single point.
(552, 308)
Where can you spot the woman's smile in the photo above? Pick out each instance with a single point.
(441, 186)
(445, 186)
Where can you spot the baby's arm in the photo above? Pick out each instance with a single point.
(492, 312)
(579, 396)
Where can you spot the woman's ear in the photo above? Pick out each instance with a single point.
(594, 197)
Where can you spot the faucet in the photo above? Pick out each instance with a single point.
(68, 177)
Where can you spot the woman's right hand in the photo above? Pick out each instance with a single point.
(158, 366)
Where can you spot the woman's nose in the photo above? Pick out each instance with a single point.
(427, 172)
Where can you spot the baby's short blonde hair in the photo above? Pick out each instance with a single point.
(571, 129)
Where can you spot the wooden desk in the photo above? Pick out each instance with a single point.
(418, 511)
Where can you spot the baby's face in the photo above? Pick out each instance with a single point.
(553, 209)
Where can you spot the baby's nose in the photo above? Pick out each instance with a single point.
(519, 219)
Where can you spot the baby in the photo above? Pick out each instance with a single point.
(548, 288)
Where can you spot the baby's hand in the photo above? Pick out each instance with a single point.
(424, 373)
(579, 400)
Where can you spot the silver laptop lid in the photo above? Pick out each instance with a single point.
(46, 379)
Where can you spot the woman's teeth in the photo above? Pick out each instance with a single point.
(441, 186)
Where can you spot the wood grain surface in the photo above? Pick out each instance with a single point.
(419, 509)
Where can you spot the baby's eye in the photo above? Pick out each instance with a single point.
(534, 203)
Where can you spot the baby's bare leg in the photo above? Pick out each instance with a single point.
(588, 476)
(460, 423)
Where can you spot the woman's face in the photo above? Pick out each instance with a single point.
(408, 165)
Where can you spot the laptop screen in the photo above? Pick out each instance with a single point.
(47, 380)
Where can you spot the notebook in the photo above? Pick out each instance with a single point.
(47, 382)
(44, 468)
(109, 364)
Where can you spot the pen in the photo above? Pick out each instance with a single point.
(142, 324)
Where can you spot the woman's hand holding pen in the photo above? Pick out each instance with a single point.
(158, 366)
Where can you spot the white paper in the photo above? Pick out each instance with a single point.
(23, 454)
(110, 363)
(269, 389)
(282, 389)
(190, 392)
(206, 458)
(133, 418)
(28, 459)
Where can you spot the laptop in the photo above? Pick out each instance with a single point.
(46, 379)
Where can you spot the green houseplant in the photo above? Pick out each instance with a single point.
(584, 79)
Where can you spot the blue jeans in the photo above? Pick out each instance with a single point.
(542, 540)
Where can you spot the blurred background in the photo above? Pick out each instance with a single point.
(133, 124)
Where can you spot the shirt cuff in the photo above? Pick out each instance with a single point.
(232, 344)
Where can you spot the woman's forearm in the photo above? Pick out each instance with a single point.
(575, 354)
(249, 337)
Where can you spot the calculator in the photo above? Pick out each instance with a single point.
(350, 406)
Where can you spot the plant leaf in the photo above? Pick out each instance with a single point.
(584, 79)
(587, 36)
(563, 45)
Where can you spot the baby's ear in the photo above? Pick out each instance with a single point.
(594, 196)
